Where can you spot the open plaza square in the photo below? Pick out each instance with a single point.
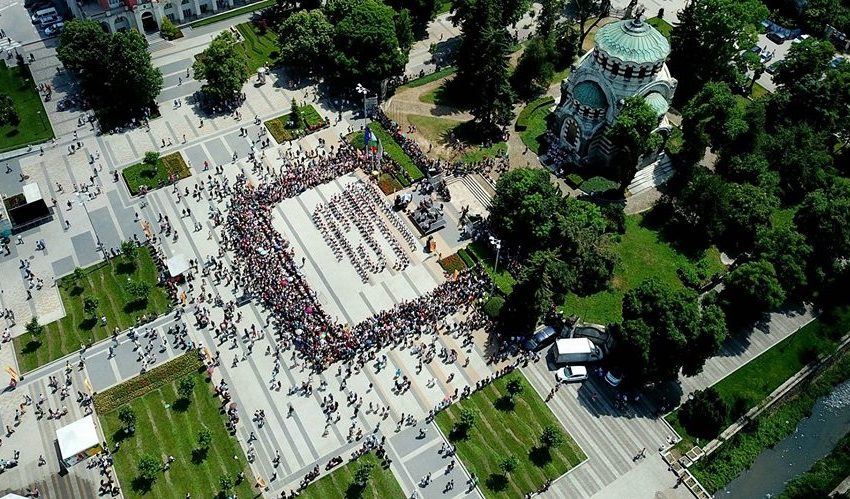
(435, 249)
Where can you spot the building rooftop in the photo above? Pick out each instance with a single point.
(632, 40)
(657, 102)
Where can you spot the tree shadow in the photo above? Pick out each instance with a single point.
(88, 324)
(496, 482)
(120, 435)
(458, 433)
(505, 404)
(136, 305)
(31, 346)
(76, 290)
(124, 268)
(181, 404)
(540, 456)
(354, 491)
(141, 485)
(199, 455)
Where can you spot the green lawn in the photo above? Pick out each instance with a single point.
(501, 431)
(167, 170)
(394, 151)
(34, 127)
(443, 6)
(759, 91)
(484, 254)
(749, 385)
(437, 131)
(738, 453)
(166, 426)
(442, 96)
(532, 122)
(643, 254)
(105, 282)
(340, 484)
(662, 26)
(260, 49)
(233, 13)
(418, 82)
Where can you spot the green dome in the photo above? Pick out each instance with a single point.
(657, 102)
(632, 40)
(590, 94)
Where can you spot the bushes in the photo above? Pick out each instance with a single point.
(467, 257)
(574, 180)
(134, 388)
(168, 30)
(705, 414)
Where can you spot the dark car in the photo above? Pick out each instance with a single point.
(773, 68)
(540, 339)
(775, 38)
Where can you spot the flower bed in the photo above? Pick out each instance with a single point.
(143, 177)
(134, 388)
(453, 263)
(281, 128)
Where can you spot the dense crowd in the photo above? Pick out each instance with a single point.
(266, 268)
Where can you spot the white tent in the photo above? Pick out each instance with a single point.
(177, 264)
(78, 440)
(12, 496)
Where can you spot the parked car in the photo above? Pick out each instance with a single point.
(773, 68)
(54, 29)
(540, 339)
(573, 350)
(775, 38)
(571, 374)
(614, 377)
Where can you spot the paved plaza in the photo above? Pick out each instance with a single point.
(91, 206)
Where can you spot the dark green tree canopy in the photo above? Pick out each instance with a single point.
(304, 40)
(807, 59)
(665, 331)
(632, 134)
(421, 12)
(523, 208)
(789, 252)
(751, 290)
(824, 219)
(366, 48)
(709, 35)
(223, 68)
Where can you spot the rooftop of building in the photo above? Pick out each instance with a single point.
(632, 40)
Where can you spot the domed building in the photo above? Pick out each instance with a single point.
(628, 59)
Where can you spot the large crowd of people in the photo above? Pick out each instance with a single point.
(266, 268)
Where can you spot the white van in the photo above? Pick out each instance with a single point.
(44, 14)
(569, 350)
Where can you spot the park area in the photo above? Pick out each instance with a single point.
(504, 446)
(169, 423)
(644, 253)
(259, 46)
(155, 171)
(34, 127)
(341, 483)
(105, 285)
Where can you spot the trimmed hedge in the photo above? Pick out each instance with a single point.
(134, 388)
(574, 180)
(467, 257)
(598, 185)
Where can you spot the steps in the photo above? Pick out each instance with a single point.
(652, 175)
(477, 190)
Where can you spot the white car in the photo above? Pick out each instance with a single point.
(571, 374)
(54, 29)
(613, 378)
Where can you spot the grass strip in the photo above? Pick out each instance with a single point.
(424, 80)
(34, 126)
(503, 429)
(340, 484)
(168, 169)
(232, 13)
(126, 392)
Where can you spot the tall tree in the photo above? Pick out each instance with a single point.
(588, 13)
(751, 290)
(544, 280)
(632, 134)
(522, 209)
(550, 12)
(421, 12)
(663, 331)
(304, 40)
(824, 218)
(222, 67)
(709, 42)
(713, 117)
(535, 68)
(746, 209)
(807, 59)
(82, 45)
(366, 48)
(789, 253)
(799, 153)
(404, 30)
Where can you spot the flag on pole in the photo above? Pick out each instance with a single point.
(371, 142)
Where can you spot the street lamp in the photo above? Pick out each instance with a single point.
(363, 91)
(498, 244)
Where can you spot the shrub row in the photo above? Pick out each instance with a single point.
(134, 388)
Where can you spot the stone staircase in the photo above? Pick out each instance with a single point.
(652, 175)
(479, 191)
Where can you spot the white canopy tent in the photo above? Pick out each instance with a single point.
(78, 440)
(177, 264)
